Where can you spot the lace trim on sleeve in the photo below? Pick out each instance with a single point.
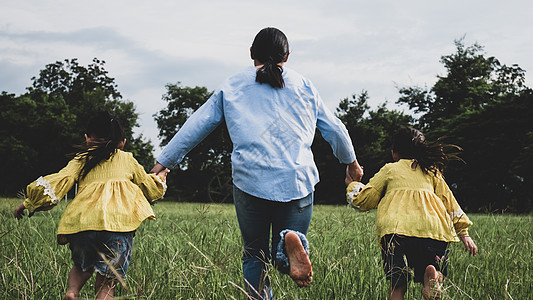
(456, 215)
(47, 189)
(355, 190)
(164, 184)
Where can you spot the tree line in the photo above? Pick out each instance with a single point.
(479, 104)
(38, 129)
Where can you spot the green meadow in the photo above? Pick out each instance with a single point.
(192, 251)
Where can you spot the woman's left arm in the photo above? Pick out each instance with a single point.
(199, 125)
(336, 134)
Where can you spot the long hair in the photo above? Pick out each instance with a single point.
(270, 47)
(106, 134)
(411, 143)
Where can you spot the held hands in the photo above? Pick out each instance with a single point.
(354, 172)
(163, 174)
(470, 246)
(160, 171)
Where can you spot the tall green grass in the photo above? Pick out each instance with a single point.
(192, 251)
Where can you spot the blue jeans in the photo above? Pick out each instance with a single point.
(256, 217)
(115, 246)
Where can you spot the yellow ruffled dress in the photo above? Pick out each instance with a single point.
(410, 202)
(113, 196)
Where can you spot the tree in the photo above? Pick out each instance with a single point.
(210, 158)
(40, 127)
(484, 107)
(497, 147)
(370, 130)
(33, 133)
(471, 82)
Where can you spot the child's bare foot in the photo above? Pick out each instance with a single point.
(70, 296)
(432, 283)
(301, 270)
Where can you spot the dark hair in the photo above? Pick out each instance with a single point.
(270, 47)
(106, 135)
(411, 143)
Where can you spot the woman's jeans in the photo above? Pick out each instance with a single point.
(256, 216)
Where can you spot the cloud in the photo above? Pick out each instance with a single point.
(343, 46)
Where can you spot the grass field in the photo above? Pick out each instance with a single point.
(192, 251)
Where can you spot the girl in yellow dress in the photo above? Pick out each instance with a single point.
(112, 201)
(417, 214)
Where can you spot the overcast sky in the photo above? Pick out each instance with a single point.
(344, 47)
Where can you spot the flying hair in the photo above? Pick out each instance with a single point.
(106, 135)
(410, 143)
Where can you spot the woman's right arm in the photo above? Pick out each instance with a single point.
(199, 125)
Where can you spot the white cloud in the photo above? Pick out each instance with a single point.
(343, 46)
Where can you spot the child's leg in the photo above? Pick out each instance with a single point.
(104, 287)
(114, 250)
(393, 252)
(432, 283)
(397, 292)
(76, 280)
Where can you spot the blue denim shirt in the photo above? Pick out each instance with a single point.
(272, 131)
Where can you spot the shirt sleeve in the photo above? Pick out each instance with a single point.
(152, 186)
(45, 192)
(335, 133)
(199, 125)
(371, 194)
(459, 219)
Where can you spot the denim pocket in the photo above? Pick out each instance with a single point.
(240, 198)
(301, 204)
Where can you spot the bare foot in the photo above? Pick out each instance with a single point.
(301, 270)
(432, 283)
(70, 296)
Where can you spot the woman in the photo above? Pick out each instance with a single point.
(271, 114)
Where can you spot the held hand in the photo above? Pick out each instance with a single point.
(163, 174)
(19, 211)
(470, 246)
(157, 169)
(354, 172)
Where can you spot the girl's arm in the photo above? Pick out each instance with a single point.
(45, 192)
(152, 185)
(369, 196)
(459, 219)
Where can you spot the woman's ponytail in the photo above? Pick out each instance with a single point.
(272, 74)
(271, 48)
